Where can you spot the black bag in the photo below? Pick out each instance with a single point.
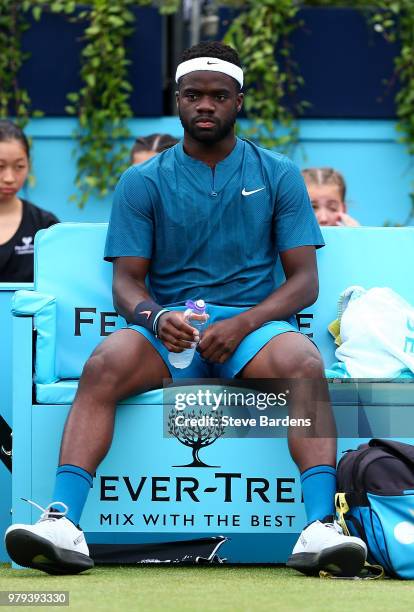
(376, 502)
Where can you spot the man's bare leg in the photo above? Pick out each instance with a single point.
(321, 546)
(125, 363)
(293, 356)
(122, 365)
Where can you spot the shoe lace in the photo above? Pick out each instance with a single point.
(50, 513)
(334, 525)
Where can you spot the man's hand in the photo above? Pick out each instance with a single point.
(221, 339)
(176, 333)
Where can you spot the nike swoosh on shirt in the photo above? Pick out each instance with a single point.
(210, 63)
(247, 193)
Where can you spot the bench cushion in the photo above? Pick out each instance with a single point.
(63, 392)
(347, 392)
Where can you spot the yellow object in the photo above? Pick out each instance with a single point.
(334, 329)
(369, 571)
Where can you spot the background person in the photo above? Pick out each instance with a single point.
(146, 147)
(19, 219)
(327, 188)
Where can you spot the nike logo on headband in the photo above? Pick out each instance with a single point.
(207, 63)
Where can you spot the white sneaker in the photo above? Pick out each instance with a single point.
(323, 546)
(53, 544)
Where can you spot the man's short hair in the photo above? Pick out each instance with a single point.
(213, 48)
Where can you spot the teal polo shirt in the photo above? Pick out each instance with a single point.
(211, 234)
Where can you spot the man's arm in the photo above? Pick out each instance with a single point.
(128, 286)
(129, 290)
(300, 290)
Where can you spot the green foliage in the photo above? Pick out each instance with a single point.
(260, 30)
(394, 19)
(13, 99)
(168, 7)
(102, 104)
(263, 27)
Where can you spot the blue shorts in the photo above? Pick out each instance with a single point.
(247, 349)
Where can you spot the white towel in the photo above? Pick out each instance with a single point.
(377, 332)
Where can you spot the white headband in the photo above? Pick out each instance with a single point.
(209, 63)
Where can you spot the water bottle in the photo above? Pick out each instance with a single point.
(182, 360)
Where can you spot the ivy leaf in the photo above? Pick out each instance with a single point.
(118, 22)
(92, 31)
(73, 97)
(56, 7)
(37, 12)
(90, 79)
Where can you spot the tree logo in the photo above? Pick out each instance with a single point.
(205, 432)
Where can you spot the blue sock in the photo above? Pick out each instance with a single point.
(319, 488)
(72, 486)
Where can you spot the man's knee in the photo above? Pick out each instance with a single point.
(311, 366)
(307, 365)
(99, 371)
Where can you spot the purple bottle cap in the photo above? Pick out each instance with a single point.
(198, 307)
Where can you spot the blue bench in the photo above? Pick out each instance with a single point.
(142, 491)
(6, 294)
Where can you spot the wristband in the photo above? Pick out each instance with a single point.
(156, 321)
(147, 313)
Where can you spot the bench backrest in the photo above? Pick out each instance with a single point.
(69, 265)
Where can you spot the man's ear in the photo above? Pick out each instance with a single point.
(177, 95)
(240, 99)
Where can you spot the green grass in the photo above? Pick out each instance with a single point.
(220, 588)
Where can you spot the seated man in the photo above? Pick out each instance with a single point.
(205, 219)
